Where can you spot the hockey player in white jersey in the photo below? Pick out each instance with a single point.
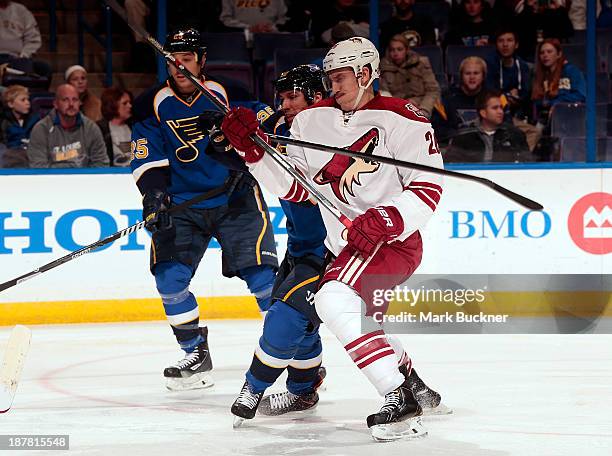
(388, 206)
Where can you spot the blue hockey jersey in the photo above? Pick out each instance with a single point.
(173, 139)
(305, 226)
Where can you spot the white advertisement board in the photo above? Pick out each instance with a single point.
(475, 230)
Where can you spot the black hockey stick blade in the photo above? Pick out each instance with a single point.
(229, 186)
(519, 199)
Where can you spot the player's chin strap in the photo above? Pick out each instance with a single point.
(362, 89)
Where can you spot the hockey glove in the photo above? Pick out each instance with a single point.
(238, 125)
(155, 205)
(376, 225)
(210, 121)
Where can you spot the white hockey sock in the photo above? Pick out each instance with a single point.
(400, 354)
(339, 307)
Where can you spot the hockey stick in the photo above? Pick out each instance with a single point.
(276, 156)
(523, 201)
(113, 237)
(12, 365)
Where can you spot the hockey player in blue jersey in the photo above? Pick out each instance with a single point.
(290, 337)
(170, 165)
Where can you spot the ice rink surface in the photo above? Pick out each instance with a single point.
(512, 395)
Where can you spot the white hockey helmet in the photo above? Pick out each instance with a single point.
(354, 53)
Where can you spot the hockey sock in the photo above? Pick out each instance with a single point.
(302, 381)
(260, 280)
(303, 369)
(339, 307)
(284, 330)
(181, 308)
(400, 354)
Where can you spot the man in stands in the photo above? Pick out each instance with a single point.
(65, 138)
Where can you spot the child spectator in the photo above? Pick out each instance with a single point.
(406, 74)
(115, 126)
(91, 105)
(16, 126)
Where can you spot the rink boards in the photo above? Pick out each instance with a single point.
(475, 231)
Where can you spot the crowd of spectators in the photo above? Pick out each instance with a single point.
(494, 106)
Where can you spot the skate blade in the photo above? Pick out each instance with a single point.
(409, 429)
(239, 422)
(441, 409)
(292, 414)
(196, 381)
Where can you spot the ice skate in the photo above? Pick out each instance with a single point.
(398, 418)
(286, 402)
(193, 371)
(429, 400)
(245, 405)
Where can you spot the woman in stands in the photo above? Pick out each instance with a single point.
(556, 80)
(406, 74)
(116, 124)
(91, 105)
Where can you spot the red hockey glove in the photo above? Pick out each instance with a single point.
(238, 125)
(376, 225)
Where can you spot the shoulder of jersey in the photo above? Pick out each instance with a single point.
(216, 87)
(398, 106)
(160, 96)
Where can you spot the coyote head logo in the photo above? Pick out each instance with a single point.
(343, 172)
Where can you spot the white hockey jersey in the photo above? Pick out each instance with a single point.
(386, 126)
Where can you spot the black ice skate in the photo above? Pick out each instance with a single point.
(398, 418)
(193, 371)
(245, 405)
(286, 402)
(429, 400)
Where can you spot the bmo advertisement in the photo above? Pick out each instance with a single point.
(474, 231)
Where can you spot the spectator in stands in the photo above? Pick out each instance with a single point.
(489, 139)
(473, 24)
(448, 116)
(91, 105)
(258, 17)
(65, 138)
(406, 74)
(508, 72)
(324, 17)
(16, 126)
(535, 20)
(472, 74)
(20, 39)
(115, 126)
(406, 20)
(556, 80)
